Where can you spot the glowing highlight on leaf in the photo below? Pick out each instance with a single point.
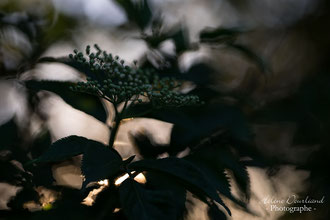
(140, 178)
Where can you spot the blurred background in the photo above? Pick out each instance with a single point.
(270, 58)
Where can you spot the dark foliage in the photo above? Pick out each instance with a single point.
(216, 133)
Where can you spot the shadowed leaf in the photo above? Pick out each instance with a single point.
(215, 214)
(141, 204)
(99, 162)
(8, 134)
(82, 101)
(66, 148)
(188, 174)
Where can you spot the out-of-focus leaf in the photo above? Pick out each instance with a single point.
(180, 39)
(69, 62)
(141, 204)
(207, 119)
(23, 196)
(8, 134)
(27, 24)
(192, 124)
(146, 148)
(66, 206)
(178, 35)
(219, 35)
(138, 12)
(188, 174)
(41, 144)
(10, 173)
(40, 33)
(227, 37)
(251, 55)
(41, 175)
(84, 102)
(99, 162)
(199, 73)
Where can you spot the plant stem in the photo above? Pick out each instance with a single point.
(114, 131)
(118, 117)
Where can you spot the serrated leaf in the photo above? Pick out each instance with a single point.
(160, 181)
(189, 175)
(85, 102)
(215, 213)
(99, 162)
(240, 173)
(66, 148)
(139, 203)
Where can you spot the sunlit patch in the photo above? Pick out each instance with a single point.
(127, 119)
(121, 179)
(47, 206)
(90, 199)
(103, 182)
(31, 206)
(47, 197)
(140, 178)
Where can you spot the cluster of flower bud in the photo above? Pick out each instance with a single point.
(109, 78)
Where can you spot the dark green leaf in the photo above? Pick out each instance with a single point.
(228, 160)
(191, 176)
(139, 203)
(215, 214)
(210, 160)
(192, 124)
(66, 148)
(99, 162)
(161, 181)
(84, 102)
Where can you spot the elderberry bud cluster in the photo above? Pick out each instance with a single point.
(109, 78)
